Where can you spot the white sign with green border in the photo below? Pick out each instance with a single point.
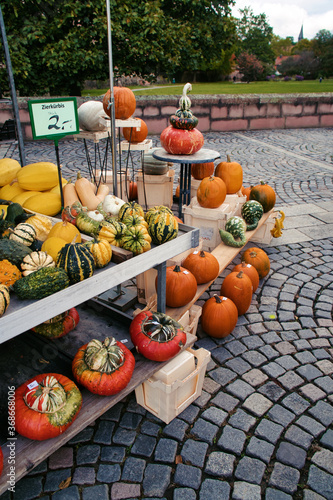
(53, 118)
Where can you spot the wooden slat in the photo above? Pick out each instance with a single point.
(30, 453)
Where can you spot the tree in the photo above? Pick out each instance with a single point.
(56, 46)
(250, 66)
(323, 49)
(304, 64)
(282, 46)
(255, 35)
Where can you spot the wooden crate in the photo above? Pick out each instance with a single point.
(157, 188)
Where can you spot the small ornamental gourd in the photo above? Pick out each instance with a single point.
(234, 233)
(135, 221)
(46, 405)
(9, 273)
(181, 286)
(203, 265)
(52, 246)
(265, 194)
(66, 231)
(113, 232)
(70, 212)
(162, 226)
(104, 368)
(41, 283)
(181, 137)
(77, 260)
(86, 224)
(237, 286)
(156, 335)
(42, 225)
(276, 231)
(252, 211)
(4, 299)
(136, 240)
(130, 208)
(35, 261)
(219, 316)
(257, 258)
(101, 251)
(24, 233)
(59, 325)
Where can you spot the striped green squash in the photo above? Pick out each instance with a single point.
(24, 233)
(77, 260)
(252, 211)
(162, 227)
(154, 210)
(130, 208)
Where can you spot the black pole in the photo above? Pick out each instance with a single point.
(12, 90)
(59, 172)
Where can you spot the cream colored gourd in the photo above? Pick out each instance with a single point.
(41, 176)
(42, 224)
(35, 261)
(8, 170)
(91, 114)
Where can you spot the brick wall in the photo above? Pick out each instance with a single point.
(222, 112)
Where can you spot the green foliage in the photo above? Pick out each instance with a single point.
(323, 49)
(282, 46)
(250, 66)
(56, 46)
(255, 35)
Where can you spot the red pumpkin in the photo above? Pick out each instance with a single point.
(250, 271)
(124, 102)
(181, 286)
(57, 329)
(157, 336)
(265, 194)
(46, 405)
(201, 170)
(181, 142)
(257, 258)
(104, 368)
(211, 192)
(133, 135)
(219, 316)
(1, 461)
(203, 265)
(231, 173)
(237, 286)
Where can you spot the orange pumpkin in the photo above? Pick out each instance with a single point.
(219, 316)
(133, 135)
(250, 271)
(201, 170)
(237, 286)
(211, 192)
(124, 102)
(177, 192)
(181, 286)
(265, 194)
(257, 258)
(246, 191)
(231, 173)
(133, 191)
(203, 265)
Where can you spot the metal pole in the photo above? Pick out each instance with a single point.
(12, 90)
(112, 111)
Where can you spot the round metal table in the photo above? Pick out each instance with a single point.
(202, 156)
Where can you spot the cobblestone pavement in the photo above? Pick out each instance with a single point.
(262, 427)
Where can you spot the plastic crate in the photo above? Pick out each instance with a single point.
(209, 221)
(158, 189)
(167, 400)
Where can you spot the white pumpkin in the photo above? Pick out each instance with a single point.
(92, 116)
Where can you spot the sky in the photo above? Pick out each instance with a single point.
(287, 16)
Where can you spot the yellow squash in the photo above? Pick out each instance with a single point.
(9, 191)
(8, 170)
(44, 203)
(41, 176)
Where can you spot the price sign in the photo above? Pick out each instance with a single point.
(53, 118)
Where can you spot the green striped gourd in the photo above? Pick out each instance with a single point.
(252, 211)
(162, 227)
(13, 251)
(130, 208)
(24, 233)
(77, 260)
(235, 228)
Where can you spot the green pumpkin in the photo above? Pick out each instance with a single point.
(252, 211)
(162, 227)
(13, 251)
(235, 228)
(77, 260)
(41, 283)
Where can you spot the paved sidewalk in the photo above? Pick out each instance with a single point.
(263, 426)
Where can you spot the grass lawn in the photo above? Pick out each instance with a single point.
(282, 87)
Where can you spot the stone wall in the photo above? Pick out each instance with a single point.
(220, 112)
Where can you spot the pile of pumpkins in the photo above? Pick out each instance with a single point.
(39, 257)
(220, 313)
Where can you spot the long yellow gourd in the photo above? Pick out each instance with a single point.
(44, 203)
(8, 170)
(9, 191)
(41, 176)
